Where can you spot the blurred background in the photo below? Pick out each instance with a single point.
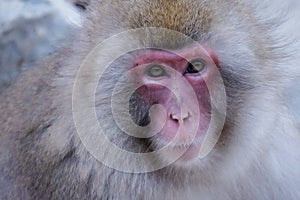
(31, 29)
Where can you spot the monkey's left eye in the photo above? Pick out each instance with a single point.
(195, 66)
(156, 71)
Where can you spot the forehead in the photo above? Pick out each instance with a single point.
(193, 19)
(190, 18)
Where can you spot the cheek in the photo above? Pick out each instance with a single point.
(203, 97)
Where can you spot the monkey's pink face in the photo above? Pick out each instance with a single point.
(178, 81)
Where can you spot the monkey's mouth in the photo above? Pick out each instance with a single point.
(184, 146)
(183, 152)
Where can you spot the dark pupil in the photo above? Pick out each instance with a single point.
(191, 69)
(195, 67)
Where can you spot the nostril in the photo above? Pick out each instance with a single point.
(174, 117)
(186, 116)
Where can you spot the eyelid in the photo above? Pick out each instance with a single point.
(198, 59)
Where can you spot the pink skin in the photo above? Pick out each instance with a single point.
(181, 112)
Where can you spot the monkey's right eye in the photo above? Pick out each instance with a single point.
(196, 66)
(156, 71)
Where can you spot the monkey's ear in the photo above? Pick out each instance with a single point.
(81, 5)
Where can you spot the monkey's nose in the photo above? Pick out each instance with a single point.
(180, 118)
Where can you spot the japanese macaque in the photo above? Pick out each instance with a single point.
(158, 100)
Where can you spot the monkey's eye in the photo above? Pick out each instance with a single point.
(195, 66)
(81, 6)
(156, 71)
